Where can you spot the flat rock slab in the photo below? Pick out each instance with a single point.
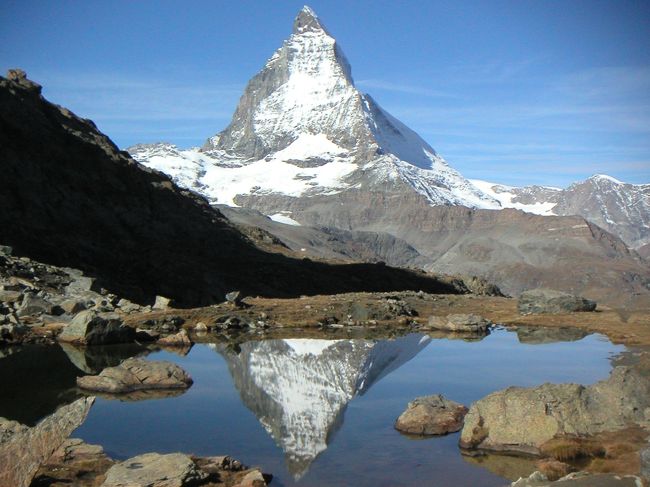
(459, 323)
(540, 301)
(155, 470)
(137, 375)
(431, 415)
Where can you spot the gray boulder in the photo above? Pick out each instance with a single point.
(521, 420)
(155, 470)
(459, 323)
(136, 375)
(431, 415)
(10, 297)
(73, 306)
(92, 328)
(33, 305)
(540, 301)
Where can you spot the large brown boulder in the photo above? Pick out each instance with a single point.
(155, 470)
(137, 375)
(431, 415)
(464, 323)
(521, 420)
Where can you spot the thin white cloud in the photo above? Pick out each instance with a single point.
(403, 88)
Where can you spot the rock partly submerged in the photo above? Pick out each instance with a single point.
(431, 415)
(23, 450)
(522, 420)
(540, 301)
(137, 375)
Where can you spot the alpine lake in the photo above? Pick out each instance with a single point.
(311, 411)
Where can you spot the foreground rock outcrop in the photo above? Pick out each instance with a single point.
(137, 375)
(82, 465)
(540, 301)
(522, 420)
(23, 450)
(431, 415)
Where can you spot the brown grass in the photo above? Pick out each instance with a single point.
(554, 469)
(572, 448)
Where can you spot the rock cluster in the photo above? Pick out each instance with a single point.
(431, 415)
(540, 301)
(136, 375)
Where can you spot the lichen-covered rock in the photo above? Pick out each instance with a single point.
(24, 450)
(431, 415)
(521, 419)
(155, 470)
(459, 323)
(136, 375)
(539, 301)
(92, 328)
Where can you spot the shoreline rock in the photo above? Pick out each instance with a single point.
(464, 323)
(521, 420)
(137, 375)
(542, 301)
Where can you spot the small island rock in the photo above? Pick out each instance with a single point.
(431, 415)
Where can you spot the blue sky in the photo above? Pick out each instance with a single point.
(517, 92)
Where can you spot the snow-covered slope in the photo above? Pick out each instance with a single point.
(302, 128)
(620, 208)
(300, 388)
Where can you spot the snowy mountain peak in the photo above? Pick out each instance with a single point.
(302, 128)
(307, 21)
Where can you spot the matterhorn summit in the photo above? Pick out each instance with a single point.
(302, 129)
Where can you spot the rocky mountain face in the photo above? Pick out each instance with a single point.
(71, 198)
(620, 208)
(307, 148)
(299, 388)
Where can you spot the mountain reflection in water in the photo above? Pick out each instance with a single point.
(299, 388)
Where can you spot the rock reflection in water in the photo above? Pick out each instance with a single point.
(506, 466)
(537, 335)
(299, 388)
(92, 360)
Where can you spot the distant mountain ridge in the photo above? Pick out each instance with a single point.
(620, 208)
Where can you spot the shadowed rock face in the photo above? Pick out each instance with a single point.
(71, 198)
(24, 451)
(299, 389)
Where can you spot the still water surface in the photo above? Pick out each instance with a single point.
(315, 412)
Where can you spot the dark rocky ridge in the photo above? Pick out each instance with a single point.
(71, 198)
